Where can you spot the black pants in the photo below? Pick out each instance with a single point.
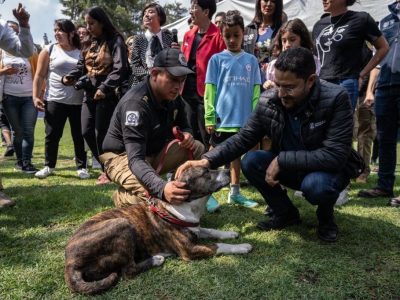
(55, 116)
(96, 117)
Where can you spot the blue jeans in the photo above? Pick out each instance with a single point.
(319, 188)
(387, 110)
(351, 86)
(22, 116)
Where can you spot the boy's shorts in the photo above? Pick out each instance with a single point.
(217, 137)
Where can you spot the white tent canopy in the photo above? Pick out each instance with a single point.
(307, 10)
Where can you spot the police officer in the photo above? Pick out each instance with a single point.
(140, 130)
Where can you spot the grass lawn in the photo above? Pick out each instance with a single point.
(288, 264)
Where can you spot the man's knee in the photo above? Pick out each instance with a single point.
(257, 160)
(320, 190)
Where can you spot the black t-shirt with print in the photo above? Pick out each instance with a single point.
(339, 42)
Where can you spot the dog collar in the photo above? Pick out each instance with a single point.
(169, 218)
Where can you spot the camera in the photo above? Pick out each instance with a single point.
(82, 83)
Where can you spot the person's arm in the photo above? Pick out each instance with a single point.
(17, 45)
(76, 73)
(210, 94)
(382, 48)
(39, 79)
(139, 71)
(370, 94)
(256, 95)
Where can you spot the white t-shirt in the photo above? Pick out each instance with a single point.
(61, 63)
(19, 84)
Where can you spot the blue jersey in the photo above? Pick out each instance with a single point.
(235, 76)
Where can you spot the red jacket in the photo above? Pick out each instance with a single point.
(210, 44)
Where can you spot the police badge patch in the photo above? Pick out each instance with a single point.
(132, 118)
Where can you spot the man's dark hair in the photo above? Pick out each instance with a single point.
(233, 18)
(160, 12)
(221, 14)
(207, 4)
(299, 61)
(350, 2)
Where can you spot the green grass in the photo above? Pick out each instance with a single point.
(288, 264)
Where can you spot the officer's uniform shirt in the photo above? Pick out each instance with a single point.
(141, 127)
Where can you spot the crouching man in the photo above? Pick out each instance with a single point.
(140, 130)
(310, 123)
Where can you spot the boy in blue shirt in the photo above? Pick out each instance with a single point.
(232, 92)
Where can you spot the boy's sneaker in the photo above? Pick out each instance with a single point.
(241, 200)
(9, 151)
(212, 204)
(83, 173)
(43, 173)
(18, 166)
(29, 168)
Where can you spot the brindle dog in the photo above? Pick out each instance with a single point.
(127, 241)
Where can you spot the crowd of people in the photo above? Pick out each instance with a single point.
(269, 99)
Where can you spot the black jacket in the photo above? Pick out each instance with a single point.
(326, 133)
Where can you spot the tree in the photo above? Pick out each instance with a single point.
(175, 11)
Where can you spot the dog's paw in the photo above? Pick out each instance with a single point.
(158, 260)
(244, 248)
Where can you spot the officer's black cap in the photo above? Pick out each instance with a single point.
(173, 61)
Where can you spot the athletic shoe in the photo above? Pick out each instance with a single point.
(28, 168)
(95, 164)
(18, 166)
(83, 173)
(343, 198)
(241, 200)
(5, 201)
(43, 173)
(280, 222)
(212, 204)
(9, 151)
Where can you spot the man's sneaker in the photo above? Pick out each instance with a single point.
(43, 173)
(395, 202)
(327, 232)
(18, 166)
(5, 201)
(83, 173)
(28, 168)
(375, 192)
(212, 204)
(9, 151)
(298, 194)
(241, 200)
(343, 198)
(280, 222)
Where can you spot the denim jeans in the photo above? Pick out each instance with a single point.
(351, 86)
(387, 110)
(22, 116)
(319, 188)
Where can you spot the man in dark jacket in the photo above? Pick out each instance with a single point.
(310, 124)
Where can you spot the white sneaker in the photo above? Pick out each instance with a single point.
(83, 173)
(43, 173)
(95, 164)
(342, 199)
(298, 194)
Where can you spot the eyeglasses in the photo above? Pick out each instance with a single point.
(285, 89)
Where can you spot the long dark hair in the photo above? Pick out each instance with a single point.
(100, 16)
(68, 27)
(277, 17)
(297, 27)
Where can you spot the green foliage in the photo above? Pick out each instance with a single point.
(125, 14)
(286, 264)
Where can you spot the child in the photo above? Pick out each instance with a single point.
(293, 33)
(232, 91)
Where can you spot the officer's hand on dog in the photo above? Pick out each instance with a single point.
(272, 172)
(191, 164)
(175, 192)
(187, 142)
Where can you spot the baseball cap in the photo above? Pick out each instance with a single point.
(173, 61)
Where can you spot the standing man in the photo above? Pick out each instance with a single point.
(18, 45)
(385, 79)
(309, 122)
(138, 139)
(199, 44)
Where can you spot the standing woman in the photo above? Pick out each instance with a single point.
(102, 72)
(259, 34)
(146, 46)
(17, 103)
(60, 102)
(340, 39)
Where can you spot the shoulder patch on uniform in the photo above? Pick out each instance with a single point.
(132, 118)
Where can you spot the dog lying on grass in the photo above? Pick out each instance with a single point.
(127, 241)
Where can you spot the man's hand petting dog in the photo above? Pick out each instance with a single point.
(175, 192)
(204, 163)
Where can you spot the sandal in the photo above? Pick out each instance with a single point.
(375, 193)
